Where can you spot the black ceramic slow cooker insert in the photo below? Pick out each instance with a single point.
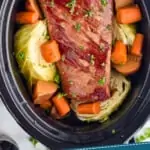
(71, 133)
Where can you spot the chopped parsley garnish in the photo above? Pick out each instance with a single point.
(92, 59)
(77, 27)
(44, 34)
(102, 81)
(108, 27)
(51, 65)
(88, 13)
(113, 42)
(42, 65)
(21, 55)
(113, 131)
(57, 78)
(71, 4)
(81, 47)
(71, 82)
(52, 3)
(33, 141)
(144, 136)
(140, 139)
(47, 37)
(104, 2)
(102, 47)
(62, 95)
(73, 95)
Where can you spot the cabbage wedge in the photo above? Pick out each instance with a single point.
(28, 40)
(124, 32)
(120, 87)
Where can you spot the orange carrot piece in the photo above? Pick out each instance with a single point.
(26, 17)
(137, 45)
(61, 105)
(129, 14)
(90, 108)
(50, 51)
(31, 5)
(43, 91)
(119, 55)
(133, 64)
(46, 105)
(28, 6)
(123, 3)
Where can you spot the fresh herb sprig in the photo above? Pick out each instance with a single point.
(52, 3)
(88, 13)
(33, 141)
(104, 2)
(92, 59)
(71, 4)
(77, 27)
(102, 81)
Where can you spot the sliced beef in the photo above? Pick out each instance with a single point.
(83, 29)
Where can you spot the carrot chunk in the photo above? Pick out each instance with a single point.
(31, 5)
(61, 105)
(119, 54)
(133, 64)
(123, 3)
(43, 91)
(90, 108)
(127, 15)
(26, 17)
(137, 45)
(50, 51)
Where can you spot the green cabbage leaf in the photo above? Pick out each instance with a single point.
(28, 40)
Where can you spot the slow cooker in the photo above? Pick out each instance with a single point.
(71, 133)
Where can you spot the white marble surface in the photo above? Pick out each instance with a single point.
(9, 127)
